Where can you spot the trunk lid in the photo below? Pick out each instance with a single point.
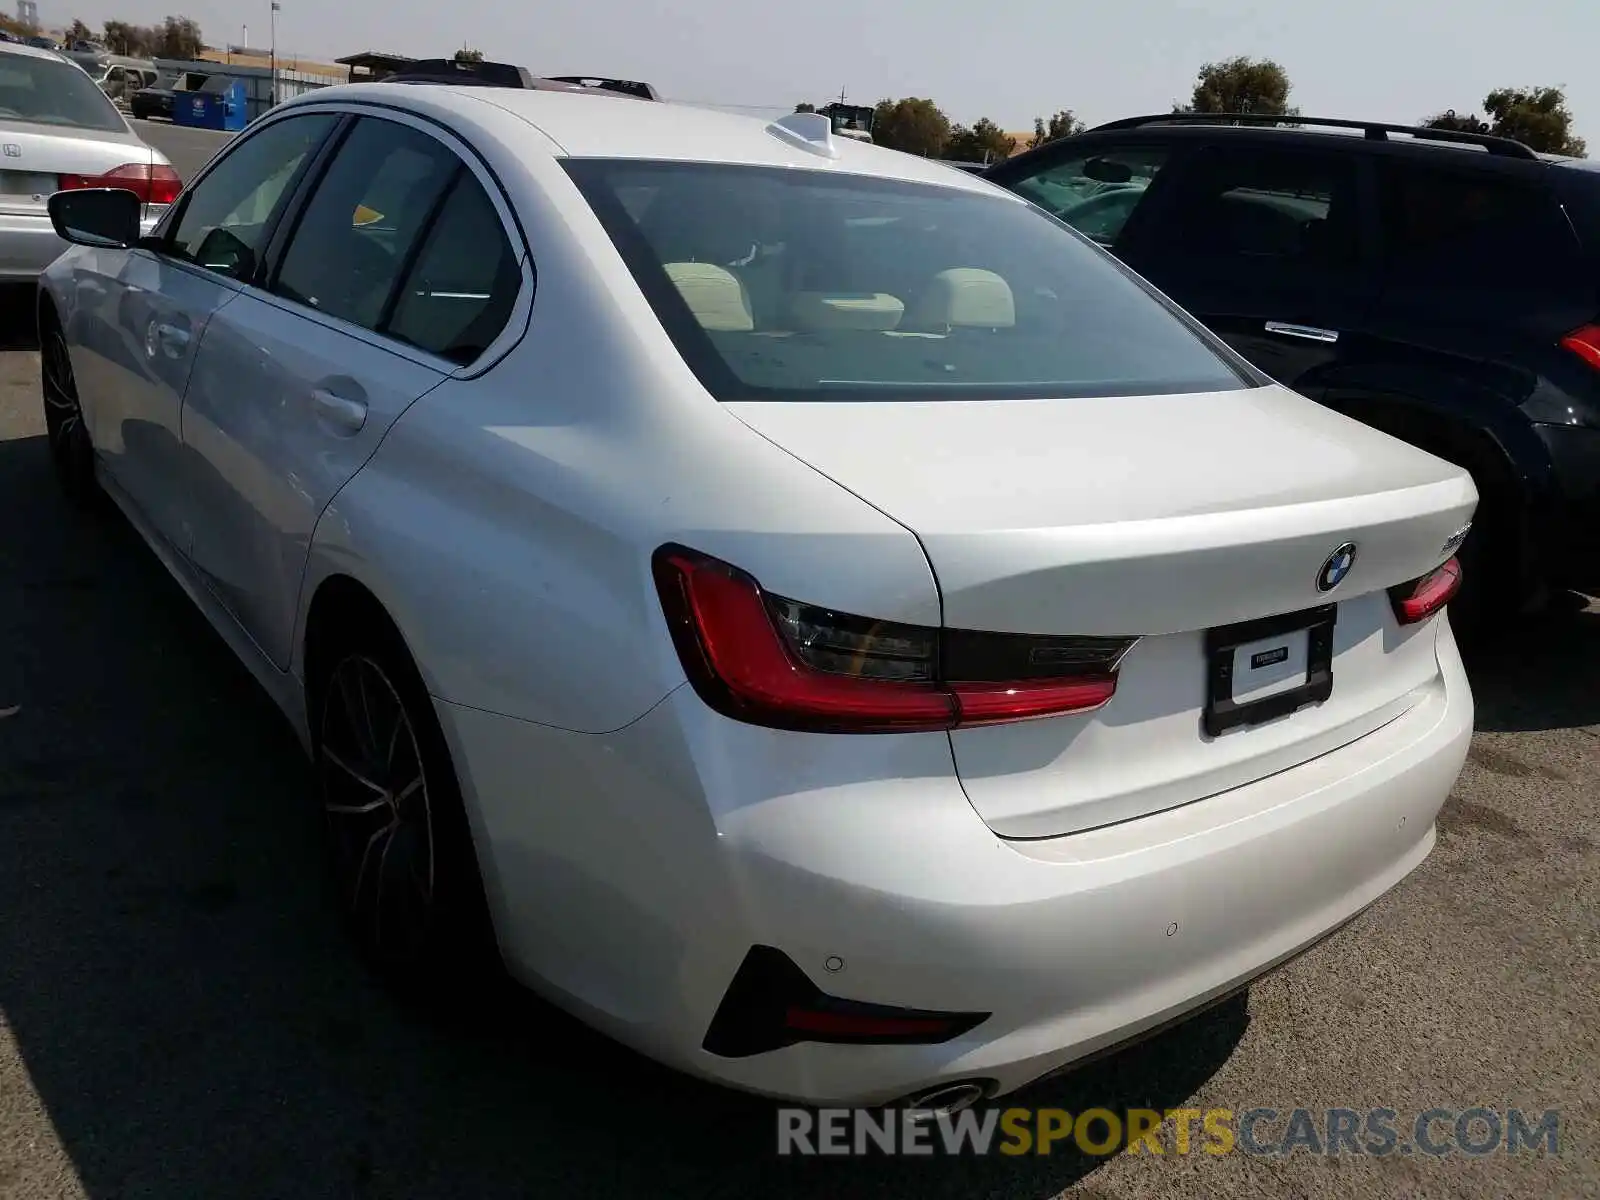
(1160, 517)
(37, 156)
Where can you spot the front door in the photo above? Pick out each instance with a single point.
(144, 321)
(1271, 249)
(298, 382)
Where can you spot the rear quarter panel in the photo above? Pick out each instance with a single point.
(507, 521)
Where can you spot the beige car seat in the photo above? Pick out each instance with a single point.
(714, 295)
(964, 298)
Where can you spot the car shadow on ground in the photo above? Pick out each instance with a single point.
(1541, 672)
(19, 328)
(194, 1025)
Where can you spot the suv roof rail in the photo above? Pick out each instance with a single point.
(508, 75)
(1377, 131)
(627, 87)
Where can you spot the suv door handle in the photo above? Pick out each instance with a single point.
(1309, 333)
(340, 410)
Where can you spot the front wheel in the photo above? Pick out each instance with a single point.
(400, 848)
(71, 452)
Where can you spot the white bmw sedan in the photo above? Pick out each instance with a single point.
(804, 609)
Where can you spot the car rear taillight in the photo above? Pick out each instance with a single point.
(771, 661)
(1421, 598)
(1585, 343)
(153, 183)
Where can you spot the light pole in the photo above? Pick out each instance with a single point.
(273, 99)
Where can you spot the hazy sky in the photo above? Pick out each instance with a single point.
(1394, 60)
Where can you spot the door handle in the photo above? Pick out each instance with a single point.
(1309, 333)
(340, 410)
(172, 339)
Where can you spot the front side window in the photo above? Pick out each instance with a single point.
(780, 284)
(225, 217)
(1279, 208)
(1096, 193)
(48, 91)
(350, 247)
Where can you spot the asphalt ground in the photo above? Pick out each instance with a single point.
(180, 1018)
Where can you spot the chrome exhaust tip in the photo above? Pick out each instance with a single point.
(920, 1108)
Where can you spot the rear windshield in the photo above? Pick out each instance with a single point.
(53, 92)
(781, 284)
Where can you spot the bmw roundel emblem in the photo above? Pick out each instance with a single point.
(1337, 567)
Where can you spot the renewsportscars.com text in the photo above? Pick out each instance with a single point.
(1379, 1132)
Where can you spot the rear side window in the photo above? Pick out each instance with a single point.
(781, 284)
(460, 293)
(51, 91)
(1096, 193)
(1454, 226)
(1269, 207)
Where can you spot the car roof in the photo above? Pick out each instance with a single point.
(23, 50)
(602, 125)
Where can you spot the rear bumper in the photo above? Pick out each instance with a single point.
(28, 244)
(631, 886)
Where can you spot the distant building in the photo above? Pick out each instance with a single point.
(28, 13)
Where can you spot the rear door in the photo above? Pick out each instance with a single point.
(1272, 249)
(397, 274)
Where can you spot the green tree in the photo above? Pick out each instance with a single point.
(913, 125)
(178, 37)
(984, 142)
(79, 32)
(468, 55)
(805, 107)
(1240, 85)
(119, 38)
(1062, 124)
(1537, 117)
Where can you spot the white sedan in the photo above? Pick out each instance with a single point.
(804, 609)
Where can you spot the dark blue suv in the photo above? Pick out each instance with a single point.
(1443, 287)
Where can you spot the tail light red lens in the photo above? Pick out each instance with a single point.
(1585, 343)
(772, 661)
(153, 183)
(1421, 598)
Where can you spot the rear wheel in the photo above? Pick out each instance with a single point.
(71, 452)
(400, 849)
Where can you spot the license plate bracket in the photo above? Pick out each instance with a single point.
(1223, 712)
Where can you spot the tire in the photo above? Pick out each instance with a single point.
(1493, 586)
(71, 451)
(400, 850)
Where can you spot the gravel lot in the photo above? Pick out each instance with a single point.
(178, 1018)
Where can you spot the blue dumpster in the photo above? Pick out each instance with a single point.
(216, 107)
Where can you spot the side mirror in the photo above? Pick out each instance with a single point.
(103, 217)
(1103, 170)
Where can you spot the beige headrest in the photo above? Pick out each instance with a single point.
(965, 297)
(714, 295)
(846, 310)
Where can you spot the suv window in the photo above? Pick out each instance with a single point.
(225, 216)
(1096, 193)
(460, 294)
(1269, 206)
(353, 239)
(812, 285)
(1454, 226)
